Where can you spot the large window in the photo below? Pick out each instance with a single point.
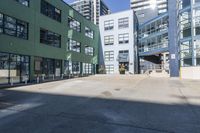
(123, 23)
(48, 68)
(197, 21)
(74, 46)
(186, 53)
(13, 68)
(1, 23)
(89, 50)
(74, 24)
(89, 32)
(13, 27)
(23, 2)
(109, 25)
(109, 40)
(87, 68)
(197, 51)
(185, 24)
(123, 38)
(50, 11)
(109, 69)
(109, 55)
(76, 67)
(50, 38)
(72, 67)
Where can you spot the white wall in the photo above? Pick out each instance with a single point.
(190, 72)
(117, 47)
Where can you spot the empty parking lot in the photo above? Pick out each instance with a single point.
(103, 104)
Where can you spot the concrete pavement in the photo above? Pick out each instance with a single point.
(103, 104)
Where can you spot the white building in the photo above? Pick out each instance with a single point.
(91, 9)
(148, 9)
(118, 42)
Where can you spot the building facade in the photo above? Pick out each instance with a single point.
(118, 38)
(188, 24)
(153, 44)
(91, 9)
(172, 39)
(148, 9)
(54, 43)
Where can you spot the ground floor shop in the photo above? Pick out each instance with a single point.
(16, 68)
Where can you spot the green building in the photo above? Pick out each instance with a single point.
(45, 40)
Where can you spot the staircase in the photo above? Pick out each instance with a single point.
(159, 73)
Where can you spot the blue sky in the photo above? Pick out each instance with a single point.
(114, 5)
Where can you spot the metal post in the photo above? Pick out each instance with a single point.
(62, 76)
(26, 81)
(38, 80)
(42, 77)
(11, 81)
(53, 77)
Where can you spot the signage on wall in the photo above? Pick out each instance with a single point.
(173, 56)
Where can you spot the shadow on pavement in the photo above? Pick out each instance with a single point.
(25, 112)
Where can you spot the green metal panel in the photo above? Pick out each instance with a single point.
(36, 20)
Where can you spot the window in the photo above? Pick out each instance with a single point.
(50, 38)
(47, 67)
(185, 24)
(23, 2)
(109, 55)
(50, 11)
(1, 23)
(109, 25)
(186, 52)
(89, 50)
(76, 67)
(13, 67)
(74, 24)
(74, 46)
(87, 68)
(123, 23)
(109, 69)
(89, 33)
(197, 21)
(13, 27)
(123, 56)
(123, 38)
(109, 40)
(141, 15)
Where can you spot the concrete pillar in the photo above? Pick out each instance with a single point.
(32, 73)
(173, 42)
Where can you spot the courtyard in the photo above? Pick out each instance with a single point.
(103, 104)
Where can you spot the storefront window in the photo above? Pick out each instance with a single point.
(48, 68)
(13, 68)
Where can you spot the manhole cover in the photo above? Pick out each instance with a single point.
(107, 93)
(118, 89)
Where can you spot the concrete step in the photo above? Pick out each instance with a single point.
(159, 73)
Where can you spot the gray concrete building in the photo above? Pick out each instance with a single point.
(148, 9)
(91, 9)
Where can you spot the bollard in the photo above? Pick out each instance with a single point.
(38, 80)
(11, 81)
(26, 81)
(62, 76)
(42, 77)
(69, 76)
(53, 77)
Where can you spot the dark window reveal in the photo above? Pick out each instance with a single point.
(23, 2)
(13, 27)
(50, 38)
(50, 11)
